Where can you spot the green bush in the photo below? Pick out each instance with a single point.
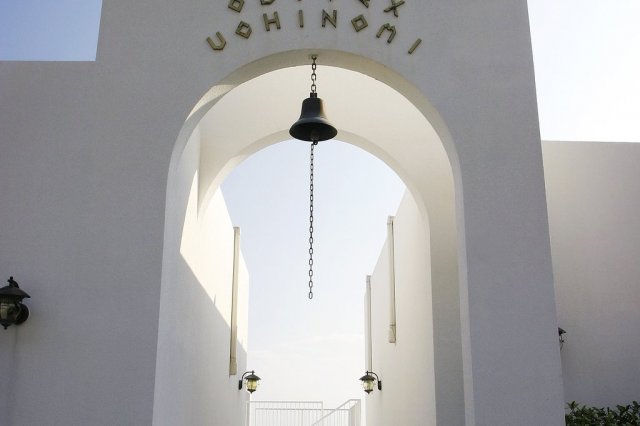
(592, 416)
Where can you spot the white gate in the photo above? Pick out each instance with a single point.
(302, 413)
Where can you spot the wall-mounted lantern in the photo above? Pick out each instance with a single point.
(368, 381)
(251, 381)
(561, 333)
(12, 311)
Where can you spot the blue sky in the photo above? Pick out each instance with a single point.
(62, 30)
(290, 336)
(587, 63)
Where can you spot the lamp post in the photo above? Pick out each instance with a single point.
(368, 381)
(312, 126)
(12, 310)
(251, 381)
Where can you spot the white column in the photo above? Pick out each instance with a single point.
(233, 344)
(511, 356)
(367, 321)
(392, 280)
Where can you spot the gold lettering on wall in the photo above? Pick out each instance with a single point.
(268, 22)
(236, 5)
(359, 23)
(415, 46)
(243, 30)
(394, 7)
(217, 46)
(387, 27)
(333, 20)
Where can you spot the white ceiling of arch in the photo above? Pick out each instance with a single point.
(366, 112)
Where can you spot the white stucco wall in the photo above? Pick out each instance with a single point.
(193, 384)
(86, 149)
(593, 192)
(406, 367)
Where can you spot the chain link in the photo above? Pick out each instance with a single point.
(313, 74)
(313, 144)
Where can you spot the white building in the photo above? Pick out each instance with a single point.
(109, 171)
(592, 195)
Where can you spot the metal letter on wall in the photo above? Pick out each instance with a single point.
(394, 7)
(266, 2)
(267, 22)
(387, 27)
(365, 2)
(415, 46)
(233, 345)
(392, 280)
(216, 46)
(236, 5)
(243, 30)
(359, 23)
(333, 20)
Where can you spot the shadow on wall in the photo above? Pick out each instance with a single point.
(193, 385)
(406, 362)
(193, 382)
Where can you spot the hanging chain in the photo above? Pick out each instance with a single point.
(313, 74)
(313, 144)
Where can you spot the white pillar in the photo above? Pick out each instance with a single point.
(233, 344)
(511, 357)
(367, 321)
(392, 280)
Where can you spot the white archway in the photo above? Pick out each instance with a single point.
(261, 105)
(89, 146)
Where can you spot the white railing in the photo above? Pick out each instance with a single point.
(283, 413)
(302, 413)
(348, 414)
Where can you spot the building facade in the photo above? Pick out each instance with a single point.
(104, 188)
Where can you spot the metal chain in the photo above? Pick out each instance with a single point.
(313, 74)
(313, 144)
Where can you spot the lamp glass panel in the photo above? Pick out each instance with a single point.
(8, 312)
(252, 385)
(367, 385)
(8, 309)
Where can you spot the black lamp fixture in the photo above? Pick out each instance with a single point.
(368, 381)
(251, 381)
(561, 334)
(12, 310)
(312, 126)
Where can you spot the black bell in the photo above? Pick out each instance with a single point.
(313, 125)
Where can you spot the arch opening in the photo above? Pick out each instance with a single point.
(382, 115)
(310, 350)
